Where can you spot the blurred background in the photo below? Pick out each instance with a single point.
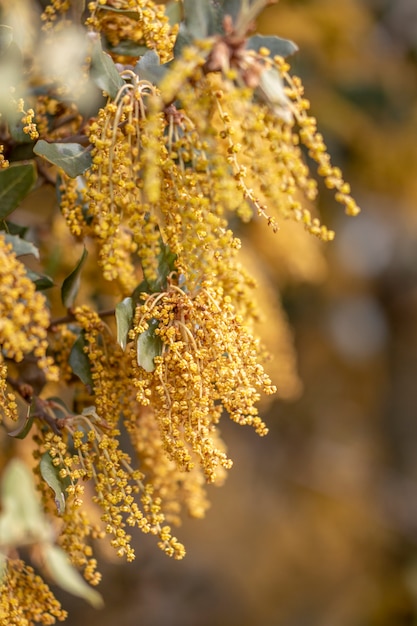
(317, 523)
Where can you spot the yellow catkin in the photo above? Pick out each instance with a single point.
(24, 314)
(26, 599)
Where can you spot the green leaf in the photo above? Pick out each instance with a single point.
(50, 474)
(173, 12)
(64, 574)
(21, 246)
(128, 48)
(41, 281)
(124, 317)
(73, 158)
(71, 284)
(134, 15)
(184, 38)
(166, 265)
(104, 72)
(23, 429)
(15, 183)
(79, 361)
(148, 346)
(276, 45)
(199, 18)
(150, 68)
(16, 126)
(13, 229)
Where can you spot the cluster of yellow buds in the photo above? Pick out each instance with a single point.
(208, 362)
(201, 131)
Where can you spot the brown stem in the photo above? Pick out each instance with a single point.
(25, 391)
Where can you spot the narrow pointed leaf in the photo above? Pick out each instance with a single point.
(64, 574)
(148, 346)
(15, 183)
(23, 429)
(166, 265)
(71, 284)
(124, 317)
(21, 246)
(104, 72)
(79, 361)
(41, 280)
(73, 158)
(50, 474)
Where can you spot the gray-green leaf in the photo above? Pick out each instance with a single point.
(173, 12)
(50, 474)
(150, 68)
(15, 183)
(21, 520)
(21, 246)
(41, 281)
(104, 72)
(128, 48)
(124, 317)
(64, 574)
(71, 284)
(148, 346)
(199, 18)
(79, 361)
(276, 45)
(22, 430)
(73, 158)
(166, 265)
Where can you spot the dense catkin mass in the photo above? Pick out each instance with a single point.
(24, 315)
(172, 149)
(209, 362)
(24, 320)
(25, 599)
(179, 172)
